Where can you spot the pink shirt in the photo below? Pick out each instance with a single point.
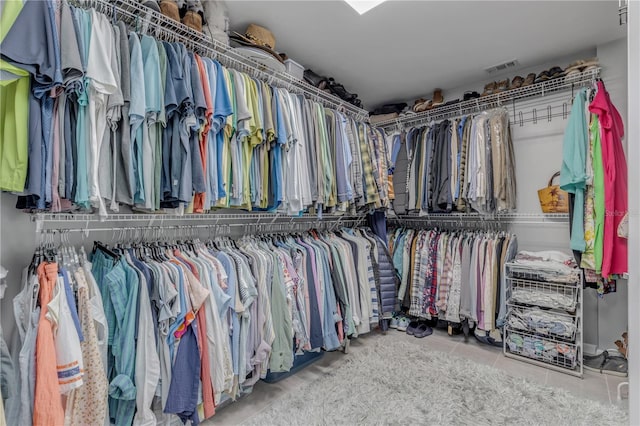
(614, 259)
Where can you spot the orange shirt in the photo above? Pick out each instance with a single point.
(47, 404)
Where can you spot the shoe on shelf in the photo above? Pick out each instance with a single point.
(316, 80)
(555, 72)
(543, 76)
(531, 78)
(516, 82)
(438, 99)
(575, 66)
(403, 323)
(581, 65)
(572, 72)
(339, 90)
(502, 85)
(422, 106)
(470, 95)
(590, 67)
(489, 88)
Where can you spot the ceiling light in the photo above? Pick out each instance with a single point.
(363, 6)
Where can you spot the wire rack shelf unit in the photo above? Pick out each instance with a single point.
(143, 19)
(506, 99)
(544, 323)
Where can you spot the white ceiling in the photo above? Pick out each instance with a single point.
(402, 49)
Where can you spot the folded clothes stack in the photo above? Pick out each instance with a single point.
(536, 347)
(543, 322)
(550, 265)
(544, 298)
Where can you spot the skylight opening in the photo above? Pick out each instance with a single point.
(363, 6)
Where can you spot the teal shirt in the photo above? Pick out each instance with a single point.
(137, 113)
(573, 176)
(82, 131)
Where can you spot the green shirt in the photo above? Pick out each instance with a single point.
(14, 112)
(598, 188)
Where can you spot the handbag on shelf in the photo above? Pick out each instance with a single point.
(552, 198)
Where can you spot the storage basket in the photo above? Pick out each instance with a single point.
(294, 69)
(552, 198)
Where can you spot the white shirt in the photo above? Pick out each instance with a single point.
(103, 82)
(68, 351)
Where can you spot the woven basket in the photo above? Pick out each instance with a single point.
(552, 198)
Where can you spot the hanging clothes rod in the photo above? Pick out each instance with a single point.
(143, 19)
(503, 99)
(213, 217)
(221, 229)
(464, 219)
(45, 221)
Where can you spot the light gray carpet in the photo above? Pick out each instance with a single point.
(405, 384)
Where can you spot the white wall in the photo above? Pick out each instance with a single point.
(633, 132)
(17, 244)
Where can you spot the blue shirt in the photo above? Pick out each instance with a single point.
(276, 151)
(185, 378)
(122, 286)
(71, 301)
(222, 107)
(232, 284)
(573, 176)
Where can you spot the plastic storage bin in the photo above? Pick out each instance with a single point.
(294, 69)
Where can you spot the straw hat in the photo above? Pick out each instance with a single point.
(257, 36)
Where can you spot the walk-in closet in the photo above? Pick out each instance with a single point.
(226, 212)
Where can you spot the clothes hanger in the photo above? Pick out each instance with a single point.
(97, 245)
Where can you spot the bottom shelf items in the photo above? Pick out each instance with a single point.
(551, 353)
